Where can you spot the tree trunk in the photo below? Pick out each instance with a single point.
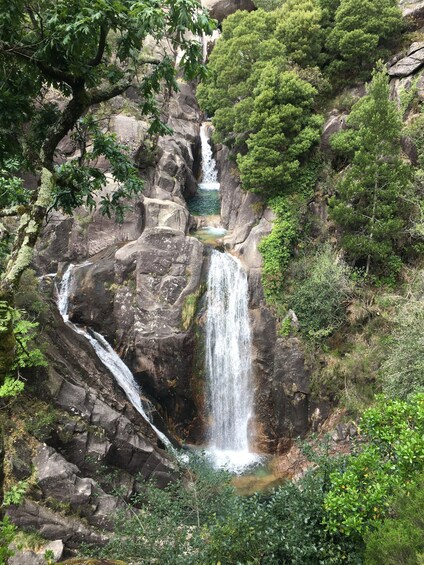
(29, 229)
(374, 207)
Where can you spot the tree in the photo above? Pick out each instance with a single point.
(284, 130)
(361, 28)
(400, 539)
(247, 44)
(300, 30)
(88, 52)
(369, 192)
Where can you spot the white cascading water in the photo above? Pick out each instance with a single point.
(228, 364)
(209, 170)
(105, 353)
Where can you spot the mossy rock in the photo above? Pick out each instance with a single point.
(79, 561)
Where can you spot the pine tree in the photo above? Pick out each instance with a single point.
(368, 201)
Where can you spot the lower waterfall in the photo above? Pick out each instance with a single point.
(106, 354)
(228, 364)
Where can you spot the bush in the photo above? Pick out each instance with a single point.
(400, 540)
(320, 294)
(391, 459)
(403, 370)
(277, 248)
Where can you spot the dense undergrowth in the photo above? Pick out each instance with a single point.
(334, 514)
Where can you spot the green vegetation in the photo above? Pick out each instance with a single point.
(392, 459)
(400, 539)
(283, 129)
(7, 535)
(402, 372)
(368, 205)
(326, 517)
(276, 248)
(362, 33)
(321, 289)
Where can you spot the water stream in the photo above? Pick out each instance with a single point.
(106, 354)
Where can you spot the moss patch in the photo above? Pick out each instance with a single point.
(190, 307)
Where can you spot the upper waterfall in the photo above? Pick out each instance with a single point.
(228, 363)
(206, 201)
(209, 169)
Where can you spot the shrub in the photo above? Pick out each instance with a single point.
(320, 296)
(403, 370)
(392, 459)
(400, 539)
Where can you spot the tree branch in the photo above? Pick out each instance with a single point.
(28, 56)
(111, 90)
(101, 49)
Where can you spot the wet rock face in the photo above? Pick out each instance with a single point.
(168, 272)
(133, 281)
(283, 406)
(139, 301)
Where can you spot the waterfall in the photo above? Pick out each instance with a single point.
(228, 363)
(209, 170)
(105, 353)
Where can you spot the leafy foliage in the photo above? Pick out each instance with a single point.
(7, 534)
(78, 180)
(246, 45)
(174, 516)
(392, 458)
(284, 130)
(27, 354)
(300, 29)
(361, 29)
(277, 247)
(15, 494)
(400, 538)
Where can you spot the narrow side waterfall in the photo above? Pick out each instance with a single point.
(106, 354)
(228, 363)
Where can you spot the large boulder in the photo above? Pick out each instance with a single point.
(167, 269)
(169, 171)
(413, 10)
(220, 9)
(335, 123)
(33, 516)
(409, 64)
(143, 298)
